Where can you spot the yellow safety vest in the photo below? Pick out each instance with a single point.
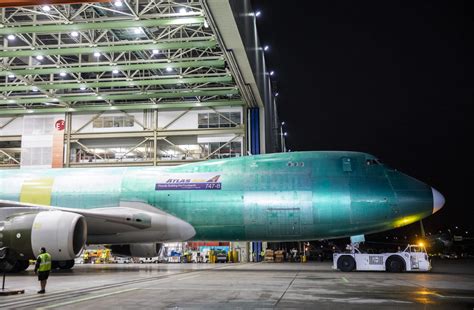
(45, 264)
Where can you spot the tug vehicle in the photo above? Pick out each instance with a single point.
(413, 258)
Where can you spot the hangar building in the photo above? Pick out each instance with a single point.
(133, 83)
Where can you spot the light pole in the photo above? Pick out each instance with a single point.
(282, 137)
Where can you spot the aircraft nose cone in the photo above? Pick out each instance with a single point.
(438, 200)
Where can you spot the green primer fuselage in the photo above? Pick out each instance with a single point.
(284, 196)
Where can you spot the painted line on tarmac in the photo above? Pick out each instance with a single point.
(86, 299)
(190, 277)
(344, 279)
(237, 266)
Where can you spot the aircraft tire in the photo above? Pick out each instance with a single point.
(346, 263)
(65, 264)
(394, 264)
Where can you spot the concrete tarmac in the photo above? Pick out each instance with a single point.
(245, 286)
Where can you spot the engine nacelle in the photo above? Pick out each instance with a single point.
(63, 234)
(137, 249)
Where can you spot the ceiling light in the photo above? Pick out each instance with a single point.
(99, 97)
(266, 48)
(137, 30)
(46, 8)
(75, 34)
(206, 25)
(118, 3)
(62, 73)
(276, 95)
(283, 123)
(115, 71)
(11, 37)
(272, 72)
(34, 89)
(285, 134)
(40, 57)
(82, 88)
(96, 54)
(169, 69)
(11, 76)
(155, 52)
(182, 11)
(258, 13)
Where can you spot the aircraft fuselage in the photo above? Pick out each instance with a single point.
(285, 196)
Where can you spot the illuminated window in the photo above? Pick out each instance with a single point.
(219, 120)
(113, 121)
(223, 149)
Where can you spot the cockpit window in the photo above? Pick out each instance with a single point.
(371, 162)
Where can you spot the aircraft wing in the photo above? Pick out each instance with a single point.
(135, 226)
(99, 221)
(130, 222)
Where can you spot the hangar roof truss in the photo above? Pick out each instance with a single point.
(96, 56)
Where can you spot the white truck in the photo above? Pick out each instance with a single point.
(150, 260)
(413, 258)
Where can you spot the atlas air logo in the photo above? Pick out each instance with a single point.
(211, 180)
(190, 184)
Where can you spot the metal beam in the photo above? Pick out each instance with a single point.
(10, 138)
(117, 24)
(219, 148)
(9, 156)
(161, 133)
(22, 3)
(178, 93)
(109, 68)
(92, 119)
(175, 119)
(74, 85)
(201, 43)
(8, 122)
(126, 107)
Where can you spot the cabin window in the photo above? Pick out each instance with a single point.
(346, 164)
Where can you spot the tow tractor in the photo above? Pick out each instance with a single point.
(413, 258)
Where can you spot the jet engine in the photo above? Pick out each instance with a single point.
(63, 234)
(137, 249)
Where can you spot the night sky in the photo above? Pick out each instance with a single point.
(390, 78)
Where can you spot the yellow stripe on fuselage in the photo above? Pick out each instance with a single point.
(37, 191)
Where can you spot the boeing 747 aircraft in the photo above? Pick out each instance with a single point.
(274, 197)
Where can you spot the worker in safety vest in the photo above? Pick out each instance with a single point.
(42, 268)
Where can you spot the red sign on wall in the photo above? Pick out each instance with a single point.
(60, 124)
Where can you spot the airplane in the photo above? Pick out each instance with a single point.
(273, 197)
